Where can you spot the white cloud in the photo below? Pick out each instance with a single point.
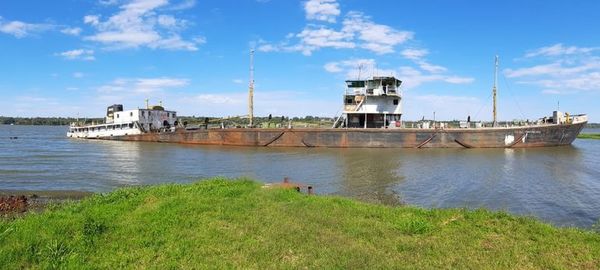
(572, 69)
(333, 67)
(559, 68)
(158, 84)
(414, 54)
(175, 42)
(418, 57)
(458, 80)
(238, 81)
(322, 10)
(268, 48)
(312, 39)
(551, 92)
(356, 31)
(199, 40)
(444, 99)
(78, 54)
(74, 31)
(78, 75)
(424, 65)
(354, 68)
(275, 102)
(446, 107)
(411, 77)
(532, 71)
(139, 24)
(142, 85)
(184, 4)
(108, 2)
(167, 21)
(378, 38)
(21, 29)
(559, 49)
(91, 19)
(221, 98)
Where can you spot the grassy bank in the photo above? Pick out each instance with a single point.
(224, 224)
(595, 136)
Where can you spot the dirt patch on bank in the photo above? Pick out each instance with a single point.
(17, 203)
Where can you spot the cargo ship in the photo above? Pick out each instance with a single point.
(371, 117)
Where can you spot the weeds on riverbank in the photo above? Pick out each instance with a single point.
(595, 136)
(221, 223)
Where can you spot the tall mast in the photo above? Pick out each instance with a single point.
(495, 89)
(251, 90)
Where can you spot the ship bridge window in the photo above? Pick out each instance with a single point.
(372, 84)
(348, 101)
(355, 84)
(395, 101)
(117, 115)
(131, 114)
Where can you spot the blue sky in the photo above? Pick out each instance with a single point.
(75, 57)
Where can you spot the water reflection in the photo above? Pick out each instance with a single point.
(370, 174)
(121, 161)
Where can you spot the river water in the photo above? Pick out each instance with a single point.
(560, 185)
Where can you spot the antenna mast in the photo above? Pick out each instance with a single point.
(495, 123)
(359, 71)
(251, 90)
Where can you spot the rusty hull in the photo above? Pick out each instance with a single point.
(500, 137)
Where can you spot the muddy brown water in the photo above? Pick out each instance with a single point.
(560, 185)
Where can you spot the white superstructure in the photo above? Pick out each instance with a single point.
(373, 103)
(130, 122)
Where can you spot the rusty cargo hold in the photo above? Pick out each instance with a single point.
(501, 137)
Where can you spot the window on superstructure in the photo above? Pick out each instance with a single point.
(395, 102)
(348, 101)
(117, 115)
(356, 84)
(131, 114)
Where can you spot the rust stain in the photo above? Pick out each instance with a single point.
(426, 141)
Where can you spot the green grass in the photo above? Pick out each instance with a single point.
(221, 223)
(594, 136)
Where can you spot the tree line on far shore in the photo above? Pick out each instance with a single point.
(44, 121)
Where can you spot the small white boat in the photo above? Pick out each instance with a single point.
(131, 122)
